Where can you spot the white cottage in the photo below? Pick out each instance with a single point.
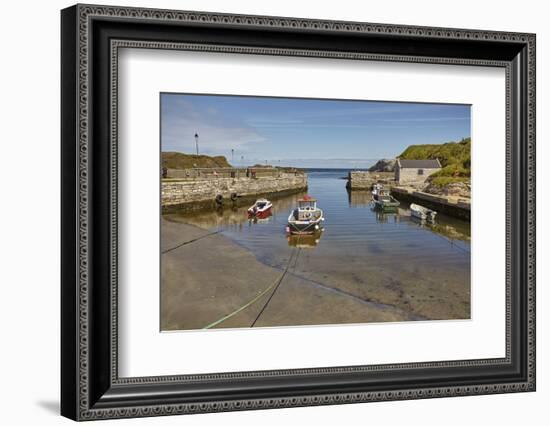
(413, 172)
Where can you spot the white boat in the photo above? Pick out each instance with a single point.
(423, 213)
(261, 209)
(306, 218)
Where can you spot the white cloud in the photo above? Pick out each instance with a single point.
(181, 120)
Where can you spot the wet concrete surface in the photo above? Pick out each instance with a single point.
(366, 266)
(212, 277)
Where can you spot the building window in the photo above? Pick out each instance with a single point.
(420, 171)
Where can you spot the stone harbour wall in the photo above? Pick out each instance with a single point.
(451, 206)
(228, 172)
(362, 180)
(201, 194)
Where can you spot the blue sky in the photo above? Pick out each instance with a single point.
(305, 132)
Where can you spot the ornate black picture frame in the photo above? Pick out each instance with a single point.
(91, 36)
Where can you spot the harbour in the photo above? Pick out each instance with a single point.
(454, 206)
(365, 265)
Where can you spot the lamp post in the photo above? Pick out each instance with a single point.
(232, 151)
(197, 142)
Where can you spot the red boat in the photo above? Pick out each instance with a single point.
(261, 209)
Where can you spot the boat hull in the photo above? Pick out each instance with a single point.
(302, 227)
(260, 214)
(383, 200)
(386, 205)
(422, 213)
(418, 215)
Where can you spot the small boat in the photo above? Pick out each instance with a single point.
(382, 198)
(423, 213)
(261, 209)
(306, 218)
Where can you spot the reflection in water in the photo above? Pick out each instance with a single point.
(444, 226)
(359, 198)
(304, 240)
(448, 231)
(234, 216)
(261, 220)
(385, 216)
(379, 256)
(350, 219)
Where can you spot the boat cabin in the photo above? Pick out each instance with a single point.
(261, 203)
(379, 192)
(307, 203)
(307, 209)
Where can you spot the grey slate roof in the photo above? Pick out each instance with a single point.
(419, 164)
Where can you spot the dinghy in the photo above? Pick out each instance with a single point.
(423, 213)
(261, 209)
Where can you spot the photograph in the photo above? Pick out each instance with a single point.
(280, 211)
(269, 208)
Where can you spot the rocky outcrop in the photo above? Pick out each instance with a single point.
(455, 189)
(383, 166)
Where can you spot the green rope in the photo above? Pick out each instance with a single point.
(232, 314)
(190, 241)
(255, 299)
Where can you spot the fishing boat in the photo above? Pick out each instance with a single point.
(261, 209)
(382, 198)
(423, 213)
(306, 218)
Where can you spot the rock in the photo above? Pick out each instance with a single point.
(383, 166)
(455, 189)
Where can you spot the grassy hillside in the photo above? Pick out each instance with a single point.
(178, 160)
(453, 156)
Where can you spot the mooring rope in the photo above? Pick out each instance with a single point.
(275, 283)
(191, 241)
(297, 251)
(296, 258)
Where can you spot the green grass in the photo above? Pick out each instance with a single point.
(179, 160)
(456, 170)
(455, 159)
